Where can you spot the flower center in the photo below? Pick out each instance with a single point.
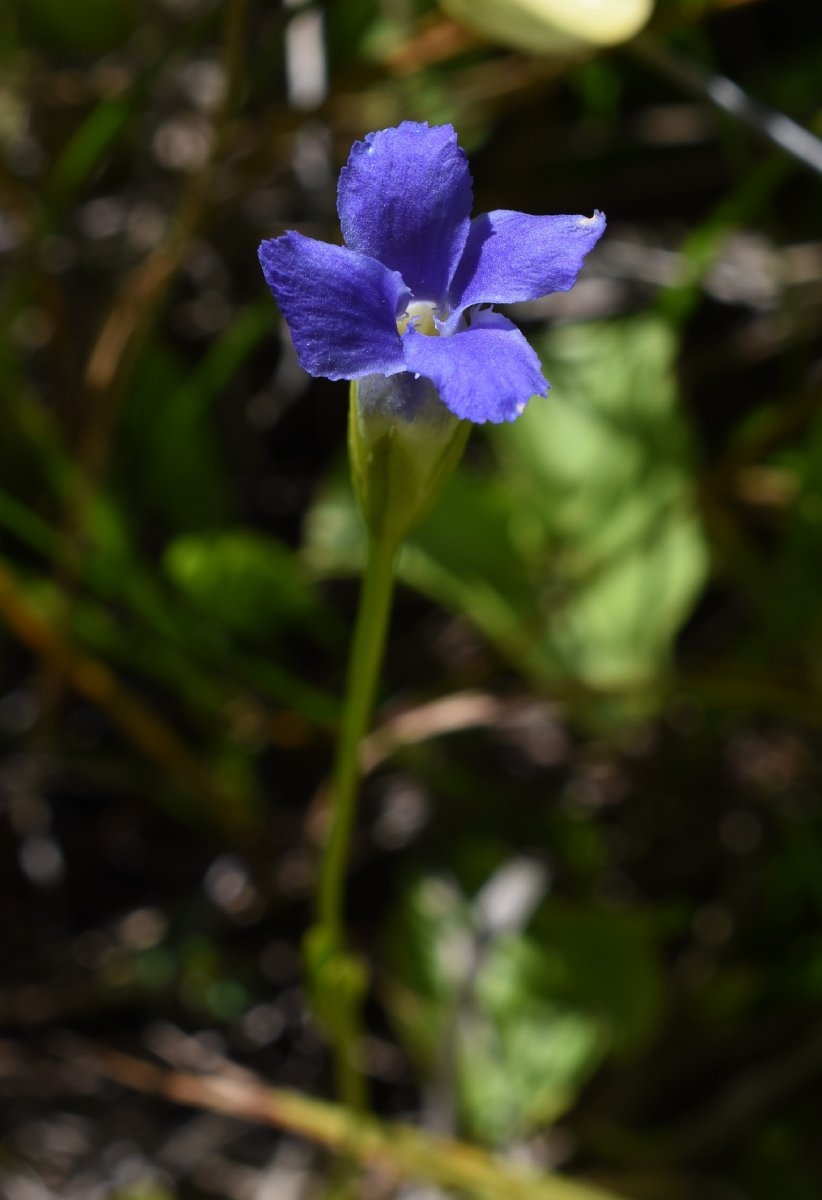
(420, 313)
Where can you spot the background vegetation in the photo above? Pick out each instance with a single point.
(588, 872)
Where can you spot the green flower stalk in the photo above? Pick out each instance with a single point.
(403, 446)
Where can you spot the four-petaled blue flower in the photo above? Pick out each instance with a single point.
(415, 265)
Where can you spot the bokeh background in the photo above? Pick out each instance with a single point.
(588, 871)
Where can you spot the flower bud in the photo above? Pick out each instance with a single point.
(561, 28)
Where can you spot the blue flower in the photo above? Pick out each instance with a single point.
(411, 288)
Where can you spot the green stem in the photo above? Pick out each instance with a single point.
(363, 670)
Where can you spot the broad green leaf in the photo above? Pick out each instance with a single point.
(524, 1054)
(468, 556)
(601, 468)
(334, 538)
(522, 1022)
(606, 963)
(243, 580)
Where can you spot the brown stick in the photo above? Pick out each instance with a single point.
(398, 1148)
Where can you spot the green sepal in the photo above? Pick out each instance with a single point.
(400, 462)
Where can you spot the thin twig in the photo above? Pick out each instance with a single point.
(730, 98)
(401, 1149)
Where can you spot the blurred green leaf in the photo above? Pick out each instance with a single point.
(243, 580)
(334, 538)
(602, 478)
(8, 36)
(171, 439)
(523, 1055)
(18, 519)
(432, 917)
(526, 1018)
(85, 27)
(468, 557)
(792, 607)
(607, 966)
(181, 639)
(85, 149)
(172, 452)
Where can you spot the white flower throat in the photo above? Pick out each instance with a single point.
(421, 313)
